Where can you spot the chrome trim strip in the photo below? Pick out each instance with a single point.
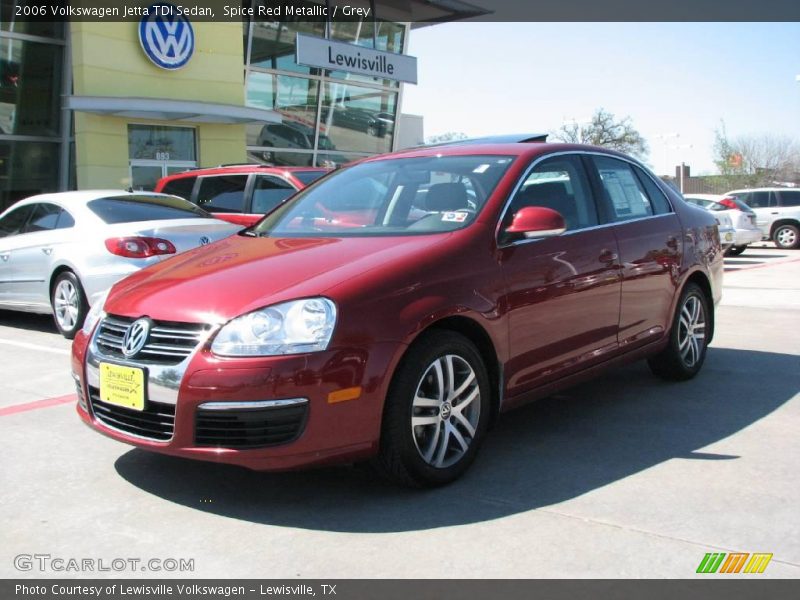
(533, 165)
(255, 404)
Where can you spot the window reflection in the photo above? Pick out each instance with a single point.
(358, 119)
(274, 44)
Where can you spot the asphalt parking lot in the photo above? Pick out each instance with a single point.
(626, 476)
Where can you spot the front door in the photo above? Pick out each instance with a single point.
(564, 291)
(157, 151)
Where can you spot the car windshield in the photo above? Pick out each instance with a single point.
(143, 207)
(398, 196)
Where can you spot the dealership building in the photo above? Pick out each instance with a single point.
(118, 104)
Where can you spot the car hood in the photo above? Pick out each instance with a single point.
(214, 283)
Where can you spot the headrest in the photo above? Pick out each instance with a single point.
(446, 196)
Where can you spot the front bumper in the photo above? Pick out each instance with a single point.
(333, 426)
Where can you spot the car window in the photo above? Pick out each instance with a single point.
(395, 196)
(658, 200)
(269, 192)
(789, 197)
(136, 208)
(180, 186)
(222, 193)
(65, 220)
(14, 221)
(561, 184)
(307, 177)
(754, 199)
(628, 197)
(44, 218)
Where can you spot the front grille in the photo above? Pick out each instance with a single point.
(168, 343)
(249, 428)
(155, 422)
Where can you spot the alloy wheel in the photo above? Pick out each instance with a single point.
(691, 330)
(445, 411)
(66, 304)
(786, 237)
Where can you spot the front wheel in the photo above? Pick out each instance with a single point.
(436, 412)
(69, 304)
(688, 339)
(787, 237)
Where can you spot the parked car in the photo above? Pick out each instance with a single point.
(59, 251)
(240, 194)
(392, 310)
(291, 136)
(740, 216)
(777, 213)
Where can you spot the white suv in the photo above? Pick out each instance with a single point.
(777, 213)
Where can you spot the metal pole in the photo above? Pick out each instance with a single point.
(683, 168)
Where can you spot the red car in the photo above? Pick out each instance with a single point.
(240, 194)
(392, 310)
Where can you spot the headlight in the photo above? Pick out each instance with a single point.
(95, 313)
(290, 328)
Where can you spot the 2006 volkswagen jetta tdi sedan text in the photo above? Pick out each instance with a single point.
(394, 308)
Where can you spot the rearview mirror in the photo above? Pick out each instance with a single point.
(537, 222)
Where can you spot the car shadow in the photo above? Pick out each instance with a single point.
(29, 321)
(763, 256)
(554, 450)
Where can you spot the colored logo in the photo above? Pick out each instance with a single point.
(166, 36)
(136, 337)
(735, 562)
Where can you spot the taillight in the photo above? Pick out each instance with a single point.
(139, 247)
(730, 203)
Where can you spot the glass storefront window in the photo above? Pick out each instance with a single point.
(281, 158)
(358, 119)
(9, 20)
(153, 142)
(274, 44)
(26, 169)
(387, 37)
(30, 88)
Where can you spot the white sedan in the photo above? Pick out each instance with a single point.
(742, 217)
(59, 252)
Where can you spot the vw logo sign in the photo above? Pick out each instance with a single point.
(166, 36)
(204, 241)
(136, 337)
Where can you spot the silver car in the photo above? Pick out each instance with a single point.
(59, 252)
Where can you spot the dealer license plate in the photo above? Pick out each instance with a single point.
(122, 386)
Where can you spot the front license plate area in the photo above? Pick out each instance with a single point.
(122, 386)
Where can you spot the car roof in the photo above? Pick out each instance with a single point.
(243, 168)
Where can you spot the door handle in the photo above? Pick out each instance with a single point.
(47, 251)
(775, 213)
(607, 256)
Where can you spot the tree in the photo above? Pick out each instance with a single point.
(450, 136)
(756, 160)
(604, 129)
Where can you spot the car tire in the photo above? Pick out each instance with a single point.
(786, 237)
(735, 250)
(436, 413)
(69, 305)
(683, 357)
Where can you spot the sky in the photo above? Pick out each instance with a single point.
(670, 78)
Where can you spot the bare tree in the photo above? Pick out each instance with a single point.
(756, 160)
(605, 129)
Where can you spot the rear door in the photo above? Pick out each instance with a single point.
(269, 192)
(11, 227)
(650, 239)
(562, 292)
(222, 193)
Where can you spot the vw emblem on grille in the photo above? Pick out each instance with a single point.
(204, 241)
(136, 337)
(166, 36)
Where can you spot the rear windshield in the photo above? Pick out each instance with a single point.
(308, 176)
(141, 207)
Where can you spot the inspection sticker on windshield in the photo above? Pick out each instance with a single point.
(455, 217)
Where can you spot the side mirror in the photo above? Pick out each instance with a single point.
(537, 222)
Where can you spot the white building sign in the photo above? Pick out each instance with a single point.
(339, 56)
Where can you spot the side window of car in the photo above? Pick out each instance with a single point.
(222, 193)
(558, 183)
(789, 197)
(658, 200)
(627, 195)
(14, 221)
(180, 186)
(757, 199)
(269, 192)
(44, 218)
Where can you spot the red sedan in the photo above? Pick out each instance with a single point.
(392, 310)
